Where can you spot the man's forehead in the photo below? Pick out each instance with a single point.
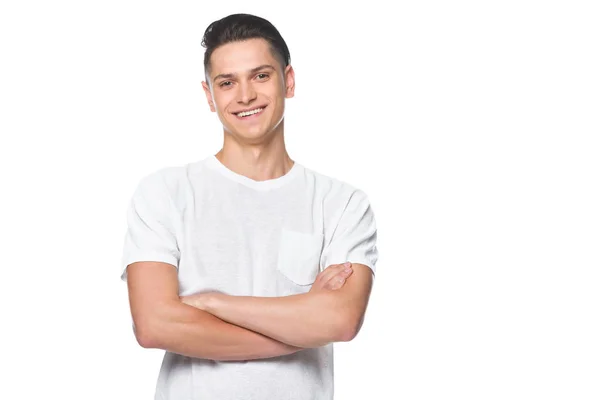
(242, 56)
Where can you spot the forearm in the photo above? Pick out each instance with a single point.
(305, 320)
(183, 329)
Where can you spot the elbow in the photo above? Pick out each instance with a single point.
(152, 324)
(144, 336)
(349, 328)
(146, 341)
(347, 334)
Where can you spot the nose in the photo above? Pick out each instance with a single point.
(246, 93)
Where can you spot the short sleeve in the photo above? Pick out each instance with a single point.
(151, 225)
(355, 236)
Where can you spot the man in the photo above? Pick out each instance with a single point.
(235, 264)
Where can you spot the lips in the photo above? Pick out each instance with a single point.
(249, 109)
(251, 117)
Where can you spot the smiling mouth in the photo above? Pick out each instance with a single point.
(250, 113)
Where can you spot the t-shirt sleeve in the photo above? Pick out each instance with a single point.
(151, 225)
(355, 236)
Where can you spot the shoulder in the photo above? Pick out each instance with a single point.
(173, 176)
(334, 190)
(169, 181)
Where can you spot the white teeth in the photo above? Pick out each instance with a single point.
(246, 113)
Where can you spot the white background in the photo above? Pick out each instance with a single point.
(473, 127)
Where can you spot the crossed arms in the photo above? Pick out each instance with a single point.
(224, 327)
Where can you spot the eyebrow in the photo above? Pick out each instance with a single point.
(252, 71)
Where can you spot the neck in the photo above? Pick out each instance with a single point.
(257, 161)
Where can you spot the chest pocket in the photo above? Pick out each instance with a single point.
(299, 255)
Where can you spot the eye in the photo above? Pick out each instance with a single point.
(225, 83)
(262, 76)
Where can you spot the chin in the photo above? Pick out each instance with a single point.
(246, 134)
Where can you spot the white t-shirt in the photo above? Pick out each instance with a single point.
(226, 232)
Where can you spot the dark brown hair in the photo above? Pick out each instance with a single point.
(239, 27)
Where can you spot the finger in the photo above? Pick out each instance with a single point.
(328, 272)
(338, 280)
(340, 273)
(332, 271)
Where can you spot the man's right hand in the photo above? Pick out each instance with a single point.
(332, 278)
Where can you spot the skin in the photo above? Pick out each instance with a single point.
(246, 75)
(331, 278)
(306, 320)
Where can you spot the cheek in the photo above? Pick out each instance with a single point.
(221, 102)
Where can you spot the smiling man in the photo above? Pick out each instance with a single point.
(246, 266)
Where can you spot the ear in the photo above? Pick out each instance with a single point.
(209, 97)
(290, 81)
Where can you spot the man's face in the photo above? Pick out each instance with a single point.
(246, 77)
